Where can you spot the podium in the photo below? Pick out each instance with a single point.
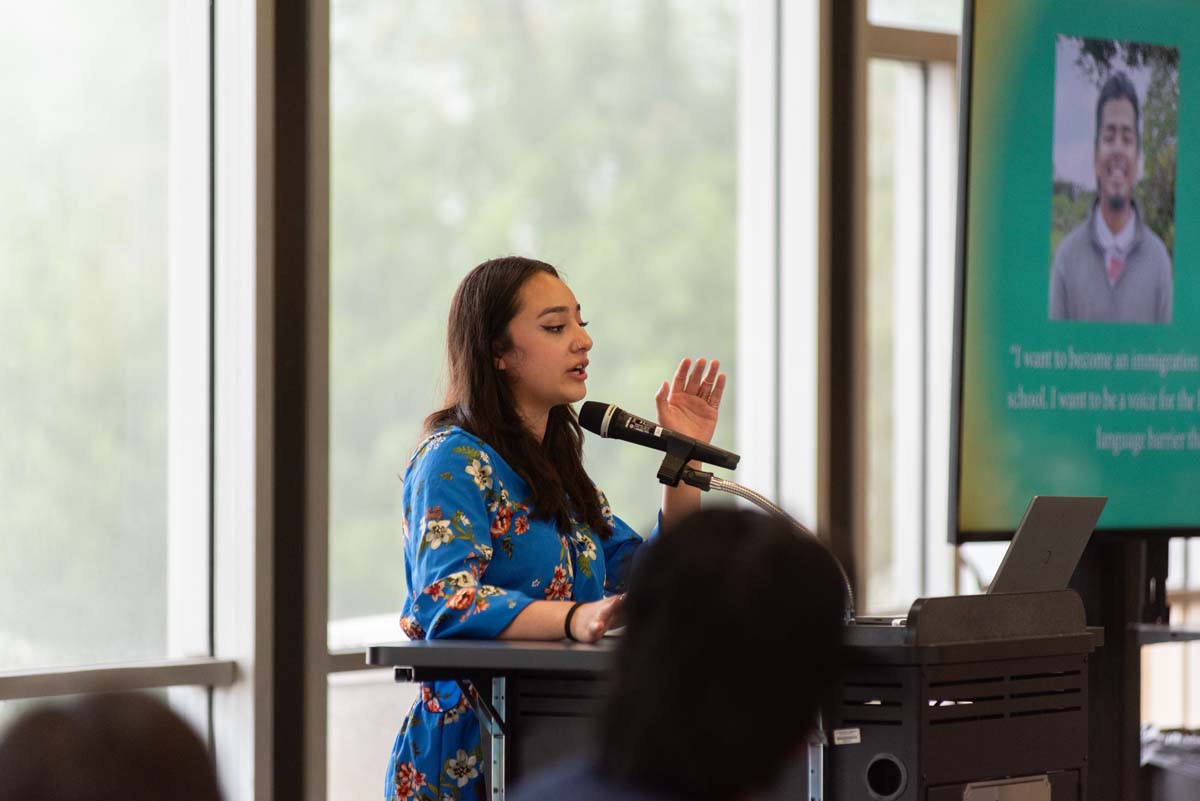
(970, 697)
(977, 697)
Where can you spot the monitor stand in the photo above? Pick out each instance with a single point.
(1122, 582)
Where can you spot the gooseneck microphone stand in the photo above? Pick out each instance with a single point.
(674, 468)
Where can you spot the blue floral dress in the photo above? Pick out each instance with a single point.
(474, 558)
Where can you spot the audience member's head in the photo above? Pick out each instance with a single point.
(732, 641)
(111, 747)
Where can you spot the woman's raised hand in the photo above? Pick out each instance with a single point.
(689, 404)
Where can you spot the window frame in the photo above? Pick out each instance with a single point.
(778, 180)
(932, 51)
(189, 410)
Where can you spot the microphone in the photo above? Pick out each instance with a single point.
(610, 422)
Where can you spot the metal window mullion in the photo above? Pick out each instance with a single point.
(842, 206)
(798, 283)
(923, 358)
(777, 246)
(317, 664)
(756, 380)
(297, 359)
(189, 415)
(243, 393)
(907, 340)
(941, 186)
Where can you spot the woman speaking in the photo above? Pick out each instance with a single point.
(505, 535)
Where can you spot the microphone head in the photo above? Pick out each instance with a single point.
(592, 417)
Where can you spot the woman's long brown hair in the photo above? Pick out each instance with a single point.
(480, 401)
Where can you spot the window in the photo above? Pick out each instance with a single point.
(912, 134)
(613, 140)
(943, 15)
(1170, 678)
(601, 138)
(104, 309)
(90, 280)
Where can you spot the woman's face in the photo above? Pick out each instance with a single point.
(547, 363)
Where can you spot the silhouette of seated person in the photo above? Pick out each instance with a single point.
(732, 641)
(109, 747)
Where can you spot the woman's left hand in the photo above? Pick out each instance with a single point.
(689, 404)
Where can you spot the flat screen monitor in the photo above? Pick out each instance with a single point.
(1077, 355)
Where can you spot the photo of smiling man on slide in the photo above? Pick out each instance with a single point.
(1112, 266)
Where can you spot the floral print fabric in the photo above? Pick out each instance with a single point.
(474, 558)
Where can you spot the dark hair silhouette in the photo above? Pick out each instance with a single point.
(112, 747)
(1117, 87)
(479, 399)
(732, 641)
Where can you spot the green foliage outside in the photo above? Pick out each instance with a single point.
(1067, 213)
(1155, 191)
(600, 137)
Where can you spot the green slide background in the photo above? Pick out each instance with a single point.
(1010, 455)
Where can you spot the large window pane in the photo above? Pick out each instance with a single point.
(910, 268)
(365, 710)
(87, 164)
(1170, 678)
(928, 14)
(597, 136)
(893, 265)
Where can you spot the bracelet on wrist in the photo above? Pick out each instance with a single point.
(567, 621)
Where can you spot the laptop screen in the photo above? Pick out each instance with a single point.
(1045, 550)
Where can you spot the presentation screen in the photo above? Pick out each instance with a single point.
(1078, 352)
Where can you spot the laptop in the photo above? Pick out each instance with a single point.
(1046, 548)
(1044, 551)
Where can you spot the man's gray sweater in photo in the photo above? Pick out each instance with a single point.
(1079, 286)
